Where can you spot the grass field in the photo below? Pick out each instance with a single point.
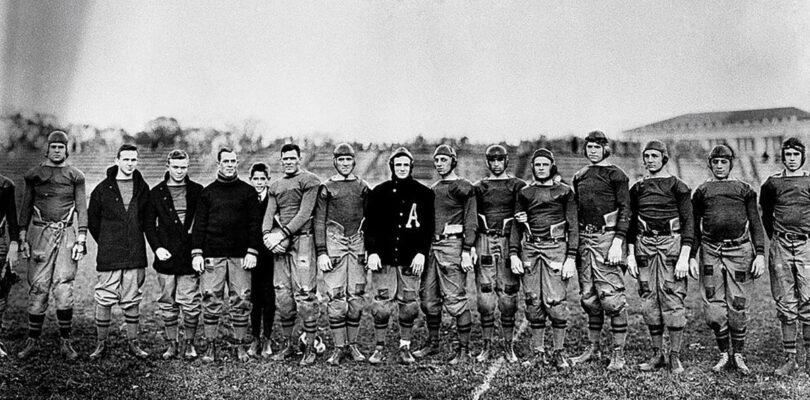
(119, 375)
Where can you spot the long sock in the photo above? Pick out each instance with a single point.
(657, 335)
(35, 322)
(405, 329)
(170, 326)
(434, 322)
(287, 325)
(210, 325)
(64, 319)
(131, 317)
(595, 323)
(538, 335)
(338, 327)
(738, 339)
(558, 333)
(464, 326)
(508, 326)
(310, 328)
(353, 328)
(789, 337)
(103, 321)
(806, 338)
(618, 326)
(675, 336)
(190, 326)
(380, 326)
(722, 338)
(487, 326)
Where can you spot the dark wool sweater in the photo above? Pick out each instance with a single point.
(723, 210)
(602, 190)
(118, 230)
(495, 200)
(399, 221)
(657, 201)
(228, 220)
(454, 204)
(785, 202)
(8, 210)
(546, 206)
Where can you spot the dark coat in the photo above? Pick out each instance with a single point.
(118, 230)
(399, 221)
(164, 229)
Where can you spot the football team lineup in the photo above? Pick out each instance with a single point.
(296, 251)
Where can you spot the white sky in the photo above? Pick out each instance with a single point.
(388, 70)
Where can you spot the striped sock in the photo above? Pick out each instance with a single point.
(618, 326)
(558, 333)
(538, 328)
(210, 324)
(380, 327)
(353, 327)
(35, 322)
(675, 337)
(434, 323)
(657, 335)
(131, 317)
(508, 326)
(789, 337)
(103, 321)
(405, 329)
(64, 319)
(722, 338)
(338, 327)
(595, 323)
(464, 326)
(487, 325)
(738, 339)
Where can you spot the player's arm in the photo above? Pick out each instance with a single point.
(321, 210)
(756, 232)
(309, 194)
(80, 201)
(687, 218)
(767, 198)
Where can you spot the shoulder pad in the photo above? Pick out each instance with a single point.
(581, 172)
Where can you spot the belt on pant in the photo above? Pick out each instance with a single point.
(437, 238)
(54, 225)
(302, 233)
(591, 228)
(493, 232)
(792, 236)
(544, 239)
(657, 233)
(729, 242)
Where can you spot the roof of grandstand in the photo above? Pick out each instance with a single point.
(721, 118)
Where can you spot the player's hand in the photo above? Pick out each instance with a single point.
(694, 269)
(632, 268)
(474, 255)
(521, 217)
(278, 249)
(568, 268)
(373, 262)
(418, 264)
(682, 266)
(198, 263)
(25, 250)
(78, 251)
(516, 264)
(615, 252)
(275, 238)
(324, 263)
(162, 254)
(266, 241)
(758, 266)
(13, 254)
(466, 261)
(249, 262)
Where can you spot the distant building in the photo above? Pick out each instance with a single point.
(752, 132)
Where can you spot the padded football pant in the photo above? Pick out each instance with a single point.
(218, 272)
(345, 283)
(179, 293)
(544, 289)
(789, 267)
(295, 277)
(496, 284)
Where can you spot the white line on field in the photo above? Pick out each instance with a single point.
(494, 368)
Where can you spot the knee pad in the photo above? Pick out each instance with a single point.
(590, 303)
(507, 305)
(408, 312)
(613, 302)
(511, 290)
